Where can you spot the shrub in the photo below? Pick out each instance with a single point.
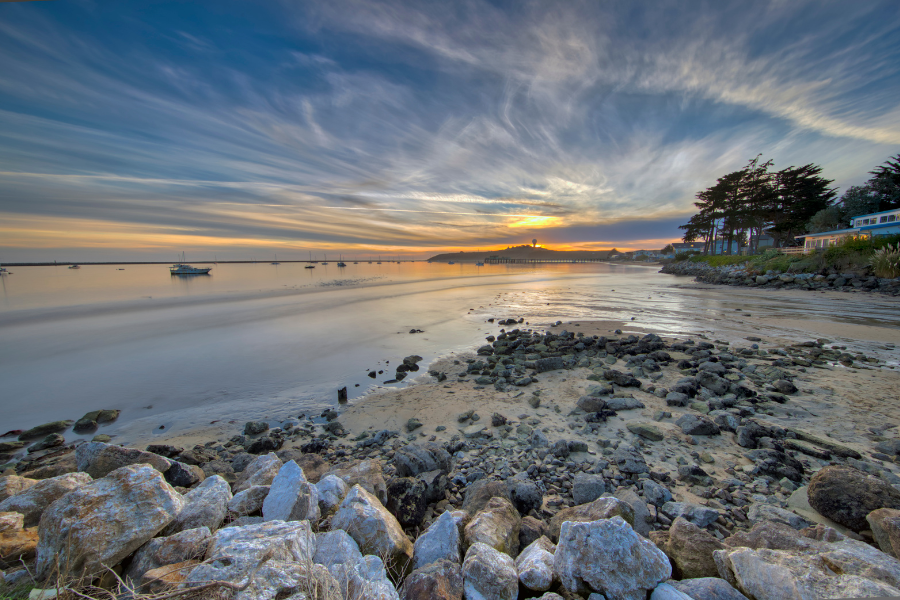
(886, 261)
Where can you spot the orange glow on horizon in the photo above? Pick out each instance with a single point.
(44, 232)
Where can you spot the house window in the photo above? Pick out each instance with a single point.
(891, 218)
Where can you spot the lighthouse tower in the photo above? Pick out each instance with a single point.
(534, 243)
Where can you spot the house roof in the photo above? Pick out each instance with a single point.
(884, 212)
(854, 229)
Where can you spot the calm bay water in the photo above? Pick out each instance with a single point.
(252, 340)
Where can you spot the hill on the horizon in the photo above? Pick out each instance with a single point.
(521, 252)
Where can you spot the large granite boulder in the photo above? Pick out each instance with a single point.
(441, 541)
(489, 574)
(440, 580)
(260, 471)
(690, 549)
(248, 501)
(235, 552)
(782, 575)
(103, 522)
(374, 529)
(479, 493)
(609, 558)
(291, 497)
(885, 525)
(847, 495)
(331, 490)
(708, 588)
(642, 516)
(190, 544)
(368, 474)
(10, 485)
(98, 459)
(535, 565)
(204, 506)
(313, 465)
(34, 500)
(361, 576)
(766, 512)
(605, 507)
(496, 525)
(414, 459)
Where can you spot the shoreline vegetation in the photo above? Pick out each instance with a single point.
(708, 462)
(854, 265)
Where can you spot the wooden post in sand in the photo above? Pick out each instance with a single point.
(342, 394)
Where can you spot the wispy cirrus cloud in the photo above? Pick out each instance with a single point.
(356, 124)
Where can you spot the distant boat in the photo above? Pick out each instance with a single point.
(341, 262)
(310, 267)
(185, 269)
(451, 263)
(479, 264)
(74, 267)
(120, 269)
(379, 260)
(276, 261)
(3, 271)
(325, 262)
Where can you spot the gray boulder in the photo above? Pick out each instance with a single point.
(441, 580)
(535, 565)
(237, 551)
(708, 588)
(248, 501)
(260, 471)
(700, 516)
(767, 512)
(34, 500)
(204, 506)
(98, 459)
(291, 497)
(697, 425)
(374, 529)
(496, 525)
(608, 557)
(587, 487)
(331, 491)
(441, 541)
(102, 523)
(414, 459)
(190, 544)
(489, 574)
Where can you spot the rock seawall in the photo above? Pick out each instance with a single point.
(746, 276)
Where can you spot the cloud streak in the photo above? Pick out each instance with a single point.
(353, 124)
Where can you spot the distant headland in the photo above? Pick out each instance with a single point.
(524, 253)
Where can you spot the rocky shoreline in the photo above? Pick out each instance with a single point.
(742, 275)
(591, 466)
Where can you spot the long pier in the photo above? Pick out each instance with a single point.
(499, 260)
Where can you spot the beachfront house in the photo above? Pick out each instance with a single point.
(865, 226)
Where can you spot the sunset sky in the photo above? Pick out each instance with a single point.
(135, 130)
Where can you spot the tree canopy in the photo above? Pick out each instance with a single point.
(745, 203)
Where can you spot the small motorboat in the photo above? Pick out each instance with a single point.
(74, 267)
(479, 264)
(185, 269)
